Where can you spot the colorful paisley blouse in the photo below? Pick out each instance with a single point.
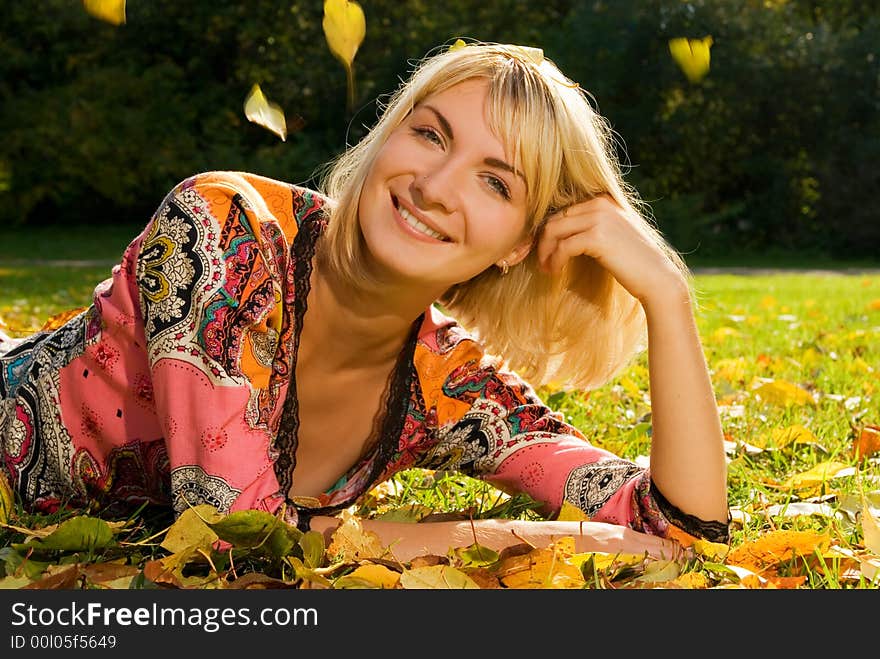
(175, 386)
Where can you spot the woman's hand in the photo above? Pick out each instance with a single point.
(601, 229)
(687, 450)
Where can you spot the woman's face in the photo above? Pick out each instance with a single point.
(442, 201)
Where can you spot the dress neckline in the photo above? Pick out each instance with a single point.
(389, 426)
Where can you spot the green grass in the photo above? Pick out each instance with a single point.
(819, 332)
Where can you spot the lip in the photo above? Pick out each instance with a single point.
(397, 201)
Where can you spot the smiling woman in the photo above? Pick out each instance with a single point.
(266, 346)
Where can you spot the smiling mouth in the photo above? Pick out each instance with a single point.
(416, 224)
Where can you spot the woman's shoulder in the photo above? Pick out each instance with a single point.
(444, 344)
(290, 204)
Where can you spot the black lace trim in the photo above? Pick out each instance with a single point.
(713, 531)
(302, 251)
(397, 395)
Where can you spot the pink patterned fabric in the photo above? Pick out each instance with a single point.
(170, 387)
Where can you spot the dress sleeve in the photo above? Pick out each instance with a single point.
(209, 273)
(504, 434)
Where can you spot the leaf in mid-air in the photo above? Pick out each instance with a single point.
(111, 11)
(259, 110)
(692, 56)
(344, 28)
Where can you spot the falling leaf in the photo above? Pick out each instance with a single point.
(692, 56)
(344, 28)
(111, 11)
(259, 110)
(437, 577)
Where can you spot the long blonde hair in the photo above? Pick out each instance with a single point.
(578, 329)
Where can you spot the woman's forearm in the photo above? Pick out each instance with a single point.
(688, 463)
(408, 540)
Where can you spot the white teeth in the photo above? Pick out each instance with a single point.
(421, 227)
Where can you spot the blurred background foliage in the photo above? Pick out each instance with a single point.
(775, 149)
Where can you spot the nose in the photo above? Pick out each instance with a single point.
(436, 187)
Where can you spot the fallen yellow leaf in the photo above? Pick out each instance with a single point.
(782, 392)
(436, 577)
(571, 513)
(7, 506)
(768, 551)
(782, 437)
(540, 568)
(372, 575)
(816, 476)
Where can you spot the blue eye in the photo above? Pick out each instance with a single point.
(498, 186)
(428, 134)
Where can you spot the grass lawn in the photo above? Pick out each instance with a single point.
(795, 361)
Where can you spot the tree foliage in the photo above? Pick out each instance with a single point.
(773, 148)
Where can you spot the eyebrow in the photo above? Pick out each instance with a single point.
(492, 162)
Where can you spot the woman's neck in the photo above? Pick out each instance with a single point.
(354, 328)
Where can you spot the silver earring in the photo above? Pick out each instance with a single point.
(505, 268)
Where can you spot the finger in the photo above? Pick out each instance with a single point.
(577, 245)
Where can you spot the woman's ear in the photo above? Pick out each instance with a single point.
(517, 254)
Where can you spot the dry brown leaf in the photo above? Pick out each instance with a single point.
(58, 577)
(351, 543)
(867, 443)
